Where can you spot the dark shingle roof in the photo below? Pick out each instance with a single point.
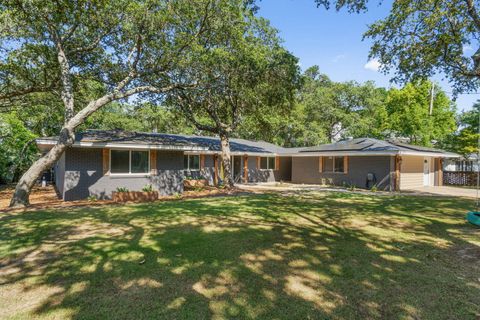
(361, 145)
(368, 145)
(211, 143)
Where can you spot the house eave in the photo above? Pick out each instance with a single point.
(373, 153)
(50, 143)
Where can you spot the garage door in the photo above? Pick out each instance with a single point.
(411, 172)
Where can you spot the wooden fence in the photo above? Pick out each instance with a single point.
(459, 178)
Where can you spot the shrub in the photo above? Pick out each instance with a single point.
(122, 189)
(147, 188)
(92, 198)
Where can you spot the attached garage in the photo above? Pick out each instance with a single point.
(417, 172)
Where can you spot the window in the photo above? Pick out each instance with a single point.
(191, 162)
(334, 164)
(129, 161)
(139, 161)
(267, 163)
(338, 164)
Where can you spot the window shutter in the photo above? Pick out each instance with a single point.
(258, 163)
(153, 162)
(202, 161)
(277, 163)
(320, 164)
(345, 164)
(106, 161)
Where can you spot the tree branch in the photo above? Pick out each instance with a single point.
(472, 12)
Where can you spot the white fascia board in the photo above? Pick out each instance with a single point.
(43, 143)
(428, 154)
(343, 153)
(236, 153)
(374, 153)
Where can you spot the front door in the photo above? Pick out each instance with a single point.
(426, 171)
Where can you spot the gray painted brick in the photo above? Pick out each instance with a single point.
(306, 170)
(84, 175)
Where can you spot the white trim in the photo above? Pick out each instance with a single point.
(129, 146)
(371, 153)
(268, 168)
(188, 162)
(333, 165)
(129, 173)
(204, 150)
(239, 153)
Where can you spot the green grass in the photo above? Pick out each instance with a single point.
(311, 256)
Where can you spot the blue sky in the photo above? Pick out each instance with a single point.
(333, 40)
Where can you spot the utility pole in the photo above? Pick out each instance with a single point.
(431, 98)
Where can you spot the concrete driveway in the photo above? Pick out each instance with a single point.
(431, 191)
(447, 191)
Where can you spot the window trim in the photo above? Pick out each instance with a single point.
(188, 162)
(325, 158)
(129, 173)
(274, 163)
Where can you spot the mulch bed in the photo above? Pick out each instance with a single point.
(46, 198)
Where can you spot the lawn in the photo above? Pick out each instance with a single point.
(271, 256)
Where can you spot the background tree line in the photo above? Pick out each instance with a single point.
(321, 112)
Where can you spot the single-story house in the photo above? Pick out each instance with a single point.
(99, 162)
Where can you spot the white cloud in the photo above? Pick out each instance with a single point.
(339, 57)
(467, 47)
(373, 65)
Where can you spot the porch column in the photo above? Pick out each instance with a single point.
(398, 163)
(245, 169)
(215, 169)
(440, 172)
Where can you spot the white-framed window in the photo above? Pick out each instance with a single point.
(267, 163)
(333, 164)
(191, 162)
(129, 161)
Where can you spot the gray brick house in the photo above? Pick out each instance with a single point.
(101, 161)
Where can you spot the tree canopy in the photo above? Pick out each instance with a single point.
(420, 38)
(409, 113)
(245, 74)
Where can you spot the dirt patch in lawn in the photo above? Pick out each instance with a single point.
(47, 198)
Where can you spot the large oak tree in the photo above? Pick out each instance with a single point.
(123, 48)
(244, 71)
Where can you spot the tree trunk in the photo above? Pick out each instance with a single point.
(67, 138)
(24, 186)
(227, 165)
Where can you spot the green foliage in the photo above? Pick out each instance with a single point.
(122, 189)
(465, 141)
(408, 113)
(92, 198)
(420, 38)
(144, 117)
(246, 74)
(324, 110)
(17, 147)
(147, 188)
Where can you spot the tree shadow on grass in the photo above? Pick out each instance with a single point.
(311, 256)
